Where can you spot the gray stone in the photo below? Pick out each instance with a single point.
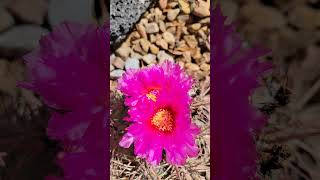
(70, 10)
(30, 11)
(115, 74)
(132, 63)
(6, 20)
(162, 56)
(21, 38)
(123, 16)
(149, 58)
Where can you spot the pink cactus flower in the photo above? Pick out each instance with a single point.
(159, 109)
(69, 71)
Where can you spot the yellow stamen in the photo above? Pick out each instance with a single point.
(152, 96)
(163, 120)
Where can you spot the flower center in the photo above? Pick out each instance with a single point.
(163, 120)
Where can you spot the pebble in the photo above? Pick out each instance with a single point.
(132, 63)
(163, 3)
(111, 67)
(305, 17)
(154, 49)
(24, 37)
(135, 55)
(192, 66)
(205, 67)
(191, 41)
(185, 6)
(263, 16)
(229, 9)
(196, 26)
(162, 26)
(118, 63)
(145, 44)
(206, 57)
(124, 51)
(173, 4)
(172, 14)
(70, 10)
(112, 58)
(142, 30)
(30, 11)
(162, 56)
(6, 20)
(115, 74)
(163, 44)
(168, 37)
(138, 48)
(196, 54)
(149, 58)
(201, 8)
(152, 28)
(183, 18)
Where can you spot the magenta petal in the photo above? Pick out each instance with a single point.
(69, 71)
(126, 140)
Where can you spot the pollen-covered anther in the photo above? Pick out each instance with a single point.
(163, 120)
(152, 95)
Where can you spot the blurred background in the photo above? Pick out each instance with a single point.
(25, 151)
(289, 145)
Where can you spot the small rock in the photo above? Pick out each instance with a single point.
(206, 57)
(184, 6)
(142, 30)
(172, 14)
(145, 44)
(154, 49)
(163, 44)
(153, 38)
(149, 58)
(112, 58)
(31, 11)
(24, 37)
(152, 28)
(196, 26)
(191, 41)
(263, 16)
(229, 9)
(132, 63)
(201, 8)
(192, 66)
(137, 48)
(196, 54)
(162, 26)
(305, 17)
(111, 67)
(183, 18)
(6, 20)
(135, 55)
(168, 37)
(118, 63)
(205, 21)
(70, 10)
(186, 56)
(123, 51)
(162, 56)
(205, 67)
(115, 74)
(163, 3)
